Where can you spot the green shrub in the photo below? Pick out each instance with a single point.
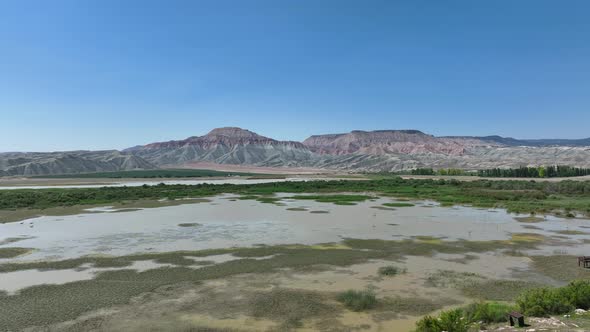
(452, 320)
(428, 324)
(391, 270)
(543, 301)
(358, 300)
(487, 312)
(578, 294)
(555, 301)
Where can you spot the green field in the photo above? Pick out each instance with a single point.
(155, 173)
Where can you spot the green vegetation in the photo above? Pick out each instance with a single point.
(442, 172)
(529, 219)
(46, 304)
(464, 319)
(487, 312)
(412, 305)
(391, 270)
(535, 172)
(14, 252)
(570, 232)
(189, 224)
(336, 199)
(155, 173)
(496, 290)
(562, 268)
(339, 254)
(9, 240)
(452, 320)
(538, 302)
(297, 209)
(398, 204)
(289, 306)
(516, 196)
(546, 301)
(358, 300)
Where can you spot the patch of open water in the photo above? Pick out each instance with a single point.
(224, 223)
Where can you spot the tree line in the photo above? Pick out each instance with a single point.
(558, 171)
(535, 172)
(442, 171)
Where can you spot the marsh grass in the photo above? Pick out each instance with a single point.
(496, 289)
(334, 199)
(14, 252)
(570, 232)
(358, 300)
(383, 208)
(357, 249)
(532, 227)
(319, 212)
(268, 200)
(528, 237)
(191, 224)
(297, 209)
(398, 204)
(559, 198)
(391, 270)
(14, 239)
(529, 219)
(452, 279)
(562, 268)
(463, 260)
(414, 306)
(488, 312)
(290, 307)
(46, 304)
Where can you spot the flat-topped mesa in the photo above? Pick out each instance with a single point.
(231, 136)
(233, 132)
(228, 145)
(227, 136)
(382, 142)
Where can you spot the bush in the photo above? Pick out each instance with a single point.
(358, 300)
(555, 301)
(452, 320)
(577, 293)
(487, 312)
(542, 302)
(391, 270)
(428, 324)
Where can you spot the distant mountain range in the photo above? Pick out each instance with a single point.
(509, 141)
(380, 150)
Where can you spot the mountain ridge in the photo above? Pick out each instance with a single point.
(358, 150)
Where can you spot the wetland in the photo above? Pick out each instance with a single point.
(368, 255)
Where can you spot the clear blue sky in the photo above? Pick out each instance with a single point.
(100, 74)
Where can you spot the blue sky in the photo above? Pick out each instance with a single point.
(112, 74)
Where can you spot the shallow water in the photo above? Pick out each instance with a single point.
(224, 223)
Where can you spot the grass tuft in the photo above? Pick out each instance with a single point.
(391, 270)
(358, 300)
